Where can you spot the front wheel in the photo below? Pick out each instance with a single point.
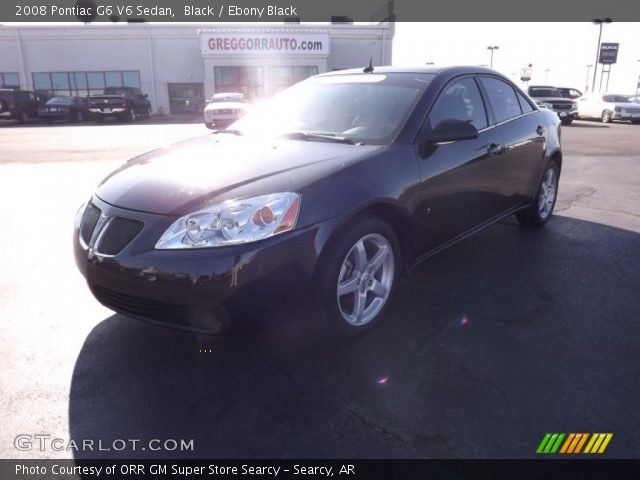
(357, 276)
(539, 213)
(606, 116)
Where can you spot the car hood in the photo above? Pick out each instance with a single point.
(216, 167)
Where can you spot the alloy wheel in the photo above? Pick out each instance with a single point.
(548, 190)
(365, 279)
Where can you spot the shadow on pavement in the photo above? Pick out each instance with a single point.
(487, 346)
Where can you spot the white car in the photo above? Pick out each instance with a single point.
(225, 108)
(608, 107)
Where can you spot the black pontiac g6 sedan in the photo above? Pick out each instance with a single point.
(333, 189)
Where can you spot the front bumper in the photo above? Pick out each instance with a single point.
(625, 116)
(189, 288)
(567, 114)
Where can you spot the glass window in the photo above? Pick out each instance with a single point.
(9, 80)
(461, 100)
(60, 81)
(96, 80)
(302, 73)
(502, 98)
(247, 80)
(525, 106)
(79, 80)
(131, 79)
(186, 97)
(113, 79)
(42, 82)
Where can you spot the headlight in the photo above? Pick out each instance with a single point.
(234, 221)
(574, 106)
(546, 105)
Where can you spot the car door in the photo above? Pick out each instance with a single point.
(459, 181)
(523, 129)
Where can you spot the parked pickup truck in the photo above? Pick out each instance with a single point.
(124, 103)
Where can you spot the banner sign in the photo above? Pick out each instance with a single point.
(212, 43)
(608, 53)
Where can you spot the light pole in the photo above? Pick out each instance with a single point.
(599, 22)
(546, 75)
(495, 47)
(586, 88)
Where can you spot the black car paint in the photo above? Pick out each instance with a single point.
(432, 195)
(78, 106)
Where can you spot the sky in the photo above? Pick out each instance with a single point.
(565, 49)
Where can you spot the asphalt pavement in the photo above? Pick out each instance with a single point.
(506, 336)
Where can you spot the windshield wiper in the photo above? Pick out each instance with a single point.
(301, 135)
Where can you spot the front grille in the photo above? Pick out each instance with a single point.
(562, 106)
(118, 234)
(89, 220)
(140, 307)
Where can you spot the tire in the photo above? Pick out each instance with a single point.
(366, 292)
(606, 116)
(567, 121)
(23, 117)
(635, 121)
(539, 213)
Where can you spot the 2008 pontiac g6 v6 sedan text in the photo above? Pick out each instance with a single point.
(332, 188)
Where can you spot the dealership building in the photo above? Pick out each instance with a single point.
(180, 65)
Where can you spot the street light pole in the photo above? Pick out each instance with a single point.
(599, 22)
(586, 88)
(492, 48)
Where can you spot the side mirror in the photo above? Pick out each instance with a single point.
(449, 130)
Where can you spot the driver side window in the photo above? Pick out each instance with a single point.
(460, 100)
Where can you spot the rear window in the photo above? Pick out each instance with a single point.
(545, 92)
(61, 101)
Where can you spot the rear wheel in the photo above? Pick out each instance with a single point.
(357, 276)
(606, 116)
(541, 210)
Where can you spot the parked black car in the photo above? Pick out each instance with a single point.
(20, 105)
(72, 109)
(124, 103)
(554, 99)
(333, 189)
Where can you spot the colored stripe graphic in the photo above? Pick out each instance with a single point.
(598, 442)
(551, 443)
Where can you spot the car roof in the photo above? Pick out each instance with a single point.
(454, 70)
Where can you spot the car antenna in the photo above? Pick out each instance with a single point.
(369, 69)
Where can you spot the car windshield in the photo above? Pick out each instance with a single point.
(60, 101)
(616, 99)
(361, 108)
(546, 92)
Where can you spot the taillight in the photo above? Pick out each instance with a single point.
(124, 103)
(64, 109)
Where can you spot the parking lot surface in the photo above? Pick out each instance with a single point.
(504, 337)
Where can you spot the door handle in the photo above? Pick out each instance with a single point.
(495, 149)
(540, 130)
